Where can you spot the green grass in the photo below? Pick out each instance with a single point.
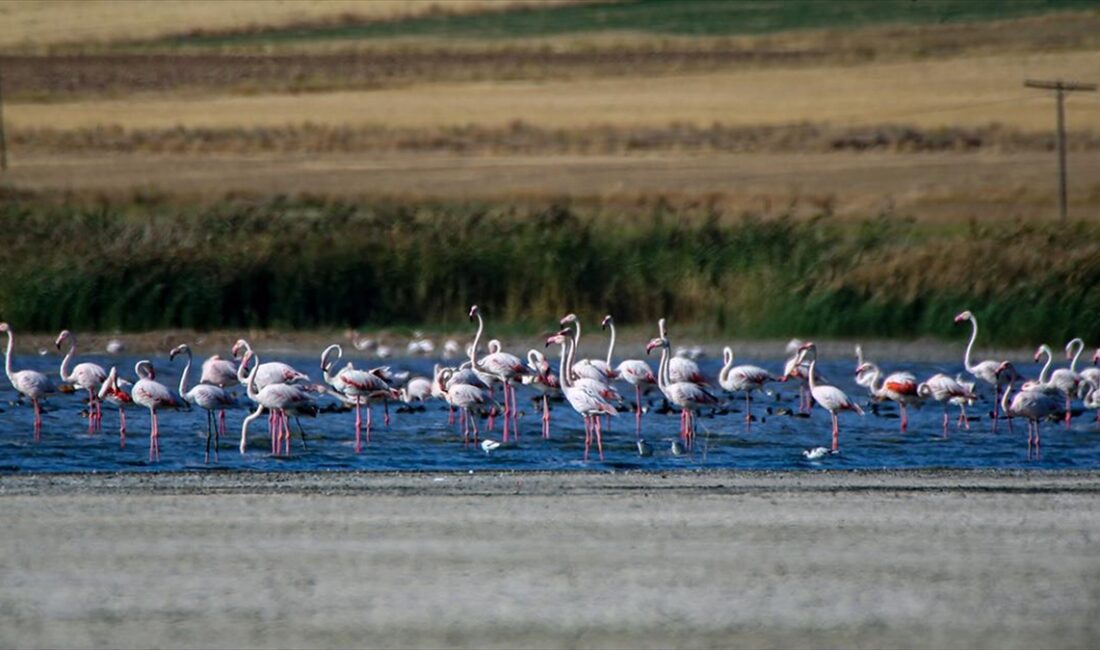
(307, 262)
(663, 17)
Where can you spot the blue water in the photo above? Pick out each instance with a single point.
(424, 441)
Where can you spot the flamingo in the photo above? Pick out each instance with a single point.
(597, 369)
(29, 383)
(743, 378)
(584, 399)
(219, 372)
(277, 398)
(544, 382)
(463, 396)
(206, 396)
(635, 372)
(117, 391)
(1035, 405)
(688, 396)
(799, 370)
(863, 379)
(357, 385)
(944, 389)
(899, 387)
(830, 398)
(503, 367)
(272, 372)
(1066, 379)
(963, 402)
(681, 369)
(418, 389)
(986, 370)
(153, 395)
(88, 376)
(1090, 384)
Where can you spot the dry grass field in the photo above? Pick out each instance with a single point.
(966, 91)
(34, 23)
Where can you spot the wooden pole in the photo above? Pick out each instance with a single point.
(1061, 88)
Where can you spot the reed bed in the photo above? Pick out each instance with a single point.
(307, 262)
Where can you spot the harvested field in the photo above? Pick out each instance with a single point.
(928, 186)
(956, 92)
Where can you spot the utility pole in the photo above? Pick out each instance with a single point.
(1061, 88)
(3, 140)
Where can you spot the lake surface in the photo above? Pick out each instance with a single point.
(422, 440)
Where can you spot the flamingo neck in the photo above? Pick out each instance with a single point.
(811, 372)
(326, 365)
(664, 375)
(7, 357)
(969, 346)
(859, 355)
(1080, 348)
(251, 386)
(876, 377)
(68, 358)
(1046, 367)
(186, 373)
(611, 345)
(109, 383)
(1004, 401)
(477, 339)
(563, 366)
(242, 369)
(723, 374)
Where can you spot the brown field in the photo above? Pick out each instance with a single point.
(965, 92)
(30, 24)
(931, 186)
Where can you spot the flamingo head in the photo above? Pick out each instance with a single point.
(568, 319)
(1039, 352)
(179, 349)
(1004, 367)
(65, 335)
(144, 368)
(606, 322)
(864, 367)
(325, 363)
(473, 312)
(659, 342)
(727, 355)
(4, 327)
(558, 338)
(241, 344)
(966, 315)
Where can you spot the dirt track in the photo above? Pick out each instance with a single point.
(551, 560)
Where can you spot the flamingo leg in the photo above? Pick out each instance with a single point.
(369, 409)
(37, 419)
(945, 419)
(152, 434)
(587, 435)
(997, 407)
(358, 425)
(836, 432)
(386, 409)
(748, 412)
(286, 434)
(218, 434)
(599, 437)
(904, 417)
(506, 411)
(515, 413)
(121, 427)
(450, 414)
(493, 408)
(209, 432)
(465, 422)
(1068, 406)
(469, 416)
(1038, 453)
(637, 412)
(545, 417)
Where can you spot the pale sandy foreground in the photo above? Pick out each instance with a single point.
(936, 559)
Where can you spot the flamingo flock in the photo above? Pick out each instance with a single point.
(484, 386)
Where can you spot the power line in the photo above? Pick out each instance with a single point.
(1061, 88)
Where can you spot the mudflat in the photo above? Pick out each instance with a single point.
(564, 559)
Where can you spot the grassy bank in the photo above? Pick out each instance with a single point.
(153, 263)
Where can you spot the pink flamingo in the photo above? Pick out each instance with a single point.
(271, 372)
(206, 396)
(635, 372)
(1035, 405)
(503, 367)
(898, 387)
(219, 372)
(153, 395)
(1066, 379)
(986, 370)
(743, 378)
(689, 396)
(580, 394)
(830, 398)
(946, 390)
(88, 376)
(117, 391)
(465, 397)
(597, 369)
(544, 382)
(357, 385)
(29, 383)
(277, 398)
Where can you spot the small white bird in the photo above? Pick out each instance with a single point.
(815, 453)
(489, 445)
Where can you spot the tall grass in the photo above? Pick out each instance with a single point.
(309, 262)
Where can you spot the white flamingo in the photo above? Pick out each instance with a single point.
(503, 367)
(863, 379)
(359, 386)
(635, 372)
(688, 396)
(581, 396)
(417, 389)
(597, 369)
(830, 398)
(742, 379)
(1035, 406)
(117, 391)
(798, 369)
(271, 372)
(1066, 379)
(898, 387)
(946, 390)
(153, 395)
(465, 397)
(276, 398)
(87, 376)
(544, 382)
(986, 370)
(29, 383)
(208, 397)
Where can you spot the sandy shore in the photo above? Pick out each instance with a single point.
(714, 559)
